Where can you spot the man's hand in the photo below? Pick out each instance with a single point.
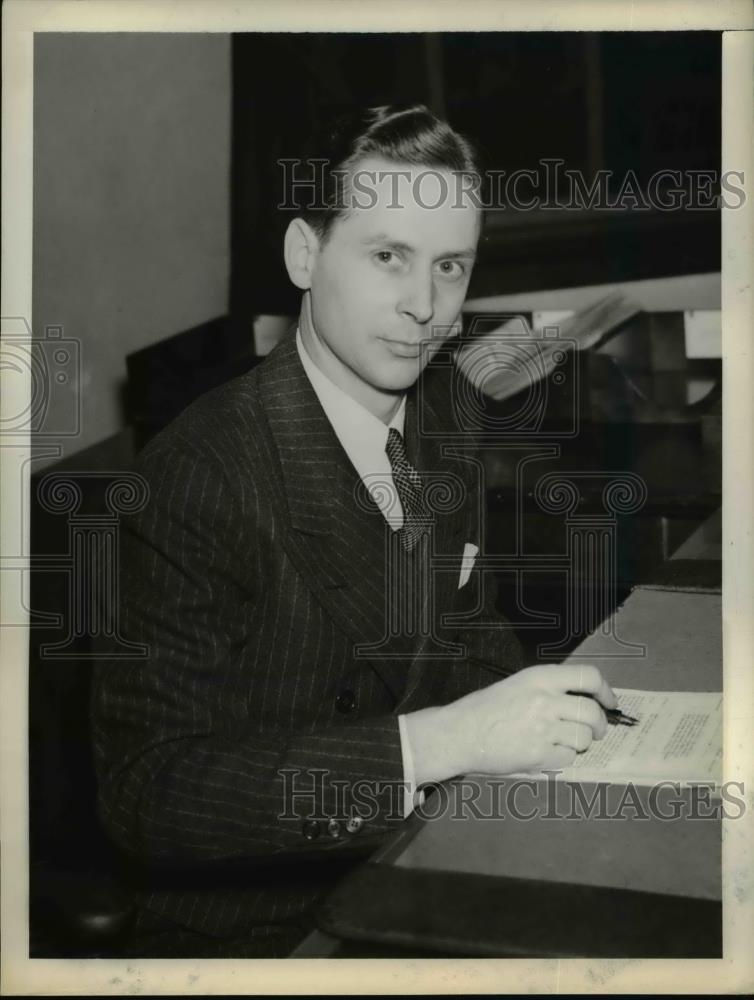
(536, 719)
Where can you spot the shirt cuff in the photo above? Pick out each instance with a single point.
(412, 798)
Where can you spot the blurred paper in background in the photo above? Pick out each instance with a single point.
(515, 355)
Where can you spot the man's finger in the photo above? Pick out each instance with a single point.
(584, 678)
(574, 735)
(579, 708)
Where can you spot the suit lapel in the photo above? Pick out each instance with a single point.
(338, 535)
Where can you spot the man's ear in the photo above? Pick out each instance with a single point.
(300, 249)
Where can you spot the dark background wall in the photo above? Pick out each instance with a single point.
(618, 102)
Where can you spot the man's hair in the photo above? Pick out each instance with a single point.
(409, 135)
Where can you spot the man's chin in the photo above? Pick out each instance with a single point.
(402, 375)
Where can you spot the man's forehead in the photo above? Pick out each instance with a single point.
(389, 200)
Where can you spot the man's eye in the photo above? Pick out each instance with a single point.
(386, 257)
(451, 268)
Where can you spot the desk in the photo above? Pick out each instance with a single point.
(493, 885)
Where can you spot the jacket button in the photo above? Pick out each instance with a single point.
(333, 828)
(354, 824)
(345, 702)
(310, 829)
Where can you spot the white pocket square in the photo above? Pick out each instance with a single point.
(467, 563)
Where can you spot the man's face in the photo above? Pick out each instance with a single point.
(389, 278)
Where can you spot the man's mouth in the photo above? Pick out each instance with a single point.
(404, 349)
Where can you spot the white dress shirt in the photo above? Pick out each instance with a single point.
(363, 437)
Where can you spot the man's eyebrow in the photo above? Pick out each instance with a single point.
(387, 241)
(468, 252)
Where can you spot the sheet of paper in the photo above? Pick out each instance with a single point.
(678, 738)
(514, 357)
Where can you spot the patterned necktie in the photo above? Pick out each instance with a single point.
(410, 490)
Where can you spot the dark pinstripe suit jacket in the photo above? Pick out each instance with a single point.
(252, 575)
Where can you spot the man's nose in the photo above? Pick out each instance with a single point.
(418, 300)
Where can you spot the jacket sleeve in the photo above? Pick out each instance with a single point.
(186, 772)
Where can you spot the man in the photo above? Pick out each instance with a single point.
(290, 706)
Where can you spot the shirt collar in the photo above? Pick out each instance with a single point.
(362, 435)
